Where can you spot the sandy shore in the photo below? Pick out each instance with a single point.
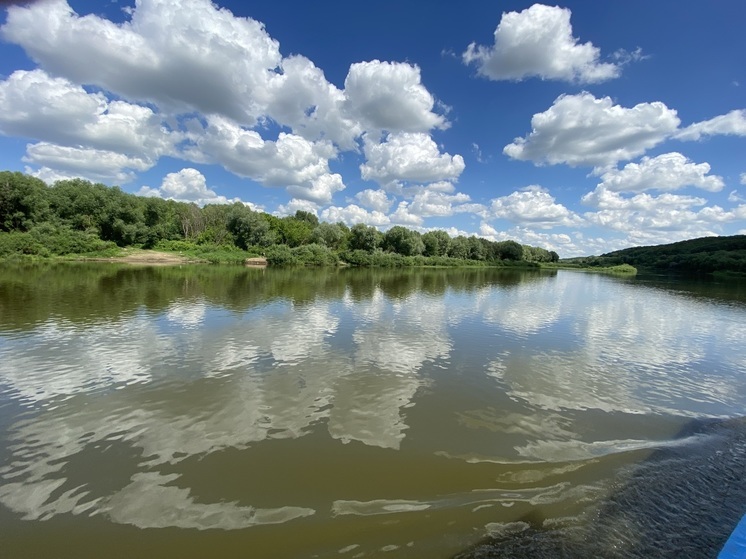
(149, 257)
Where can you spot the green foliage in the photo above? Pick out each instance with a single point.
(436, 243)
(280, 255)
(315, 255)
(328, 234)
(308, 217)
(79, 217)
(509, 250)
(459, 248)
(48, 240)
(295, 232)
(21, 243)
(212, 253)
(23, 201)
(249, 228)
(363, 237)
(699, 256)
(403, 241)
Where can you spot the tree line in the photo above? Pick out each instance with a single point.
(703, 255)
(78, 217)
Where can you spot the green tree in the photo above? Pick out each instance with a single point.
(403, 241)
(249, 228)
(308, 217)
(23, 201)
(297, 232)
(436, 243)
(510, 250)
(476, 249)
(328, 234)
(363, 237)
(459, 247)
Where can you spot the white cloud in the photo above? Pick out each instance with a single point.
(730, 124)
(93, 164)
(188, 185)
(604, 199)
(292, 161)
(201, 58)
(404, 216)
(390, 96)
(653, 220)
(581, 130)
(51, 176)
(294, 205)
(670, 171)
(538, 42)
(303, 99)
(412, 157)
(376, 200)
(203, 61)
(558, 242)
(318, 191)
(440, 199)
(743, 178)
(353, 214)
(533, 205)
(56, 111)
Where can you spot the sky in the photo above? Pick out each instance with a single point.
(582, 128)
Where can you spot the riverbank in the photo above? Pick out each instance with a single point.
(620, 269)
(146, 257)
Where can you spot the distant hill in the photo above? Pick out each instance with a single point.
(705, 255)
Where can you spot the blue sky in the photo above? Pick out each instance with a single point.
(583, 127)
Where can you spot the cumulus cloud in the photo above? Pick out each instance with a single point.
(670, 171)
(410, 157)
(441, 199)
(534, 205)
(291, 161)
(390, 96)
(581, 130)
(165, 63)
(404, 215)
(538, 42)
(294, 205)
(730, 124)
(92, 164)
(376, 200)
(648, 219)
(301, 98)
(187, 185)
(80, 131)
(353, 214)
(561, 243)
(202, 58)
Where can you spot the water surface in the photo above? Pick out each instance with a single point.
(231, 412)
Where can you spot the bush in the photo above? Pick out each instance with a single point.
(65, 240)
(280, 255)
(12, 244)
(315, 255)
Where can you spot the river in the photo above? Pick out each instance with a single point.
(226, 412)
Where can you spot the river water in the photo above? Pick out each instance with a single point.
(227, 412)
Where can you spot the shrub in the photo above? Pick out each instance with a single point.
(315, 255)
(15, 243)
(280, 255)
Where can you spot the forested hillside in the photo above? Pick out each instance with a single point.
(704, 255)
(78, 217)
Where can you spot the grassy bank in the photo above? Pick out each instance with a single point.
(619, 269)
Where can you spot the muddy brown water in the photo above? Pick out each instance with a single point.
(196, 410)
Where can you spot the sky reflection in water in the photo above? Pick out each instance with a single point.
(530, 374)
